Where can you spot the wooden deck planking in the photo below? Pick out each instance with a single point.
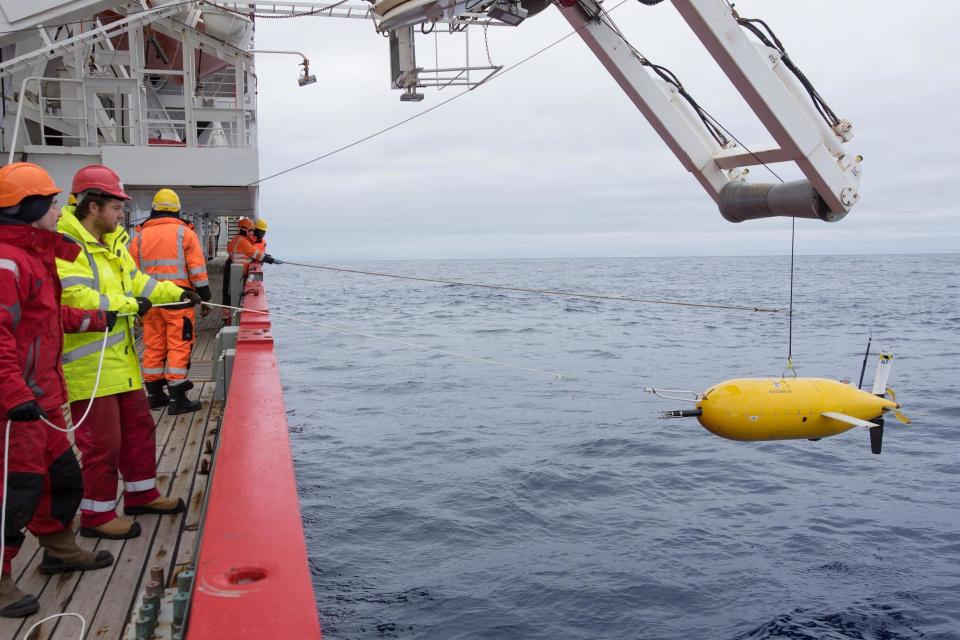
(159, 532)
(105, 596)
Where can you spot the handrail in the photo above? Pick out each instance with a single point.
(252, 575)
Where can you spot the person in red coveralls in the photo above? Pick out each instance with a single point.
(41, 478)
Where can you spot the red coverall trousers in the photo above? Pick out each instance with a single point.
(168, 336)
(43, 479)
(118, 435)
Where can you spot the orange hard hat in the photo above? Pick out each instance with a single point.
(21, 180)
(96, 177)
(245, 223)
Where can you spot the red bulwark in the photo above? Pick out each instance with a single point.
(252, 579)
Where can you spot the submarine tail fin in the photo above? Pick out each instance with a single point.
(842, 417)
(876, 439)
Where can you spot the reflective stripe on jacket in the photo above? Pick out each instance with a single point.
(241, 251)
(32, 321)
(104, 276)
(167, 248)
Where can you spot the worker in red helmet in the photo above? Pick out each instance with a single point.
(117, 438)
(167, 248)
(41, 476)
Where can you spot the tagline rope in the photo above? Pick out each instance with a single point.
(554, 375)
(550, 292)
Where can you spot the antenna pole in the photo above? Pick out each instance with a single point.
(863, 368)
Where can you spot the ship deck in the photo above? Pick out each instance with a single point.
(105, 597)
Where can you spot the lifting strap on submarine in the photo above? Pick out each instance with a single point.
(552, 374)
(549, 292)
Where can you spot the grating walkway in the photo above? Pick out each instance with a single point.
(105, 597)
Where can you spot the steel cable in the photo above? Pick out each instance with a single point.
(569, 294)
(554, 375)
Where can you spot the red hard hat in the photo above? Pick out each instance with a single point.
(245, 223)
(21, 180)
(96, 177)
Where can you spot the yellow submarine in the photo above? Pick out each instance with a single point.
(751, 409)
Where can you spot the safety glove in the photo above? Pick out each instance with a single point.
(190, 296)
(26, 412)
(110, 317)
(143, 305)
(269, 259)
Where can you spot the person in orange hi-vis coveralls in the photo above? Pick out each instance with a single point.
(260, 233)
(242, 250)
(166, 248)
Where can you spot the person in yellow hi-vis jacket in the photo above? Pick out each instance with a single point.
(118, 434)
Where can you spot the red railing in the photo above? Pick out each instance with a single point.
(252, 578)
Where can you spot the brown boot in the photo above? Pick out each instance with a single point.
(13, 602)
(161, 506)
(116, 529)
(62, 554)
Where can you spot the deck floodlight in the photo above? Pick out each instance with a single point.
(510, 13)
(305, 76)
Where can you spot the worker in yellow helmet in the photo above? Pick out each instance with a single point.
(259, 232)
(167, 249)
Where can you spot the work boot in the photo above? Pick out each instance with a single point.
(116, 529)
(13, 602)
(179, 402)
(61, 554)
(156, 396)
(161, 506)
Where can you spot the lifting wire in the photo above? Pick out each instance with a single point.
(793, 235)
(411, 118)
(569, 294)
(554, 375)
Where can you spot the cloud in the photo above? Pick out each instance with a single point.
(552, 159)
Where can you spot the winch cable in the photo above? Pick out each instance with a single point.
(220, 192)
(273, 314)
(549, 292)
(793, 235)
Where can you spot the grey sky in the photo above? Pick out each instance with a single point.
(553, 160)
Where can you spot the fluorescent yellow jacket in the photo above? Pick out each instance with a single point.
(104, 276)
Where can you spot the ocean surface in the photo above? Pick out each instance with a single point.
(449, 499)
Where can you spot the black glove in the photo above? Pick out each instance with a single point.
(111, 318)
(190, 296)
(26, 412)
(143, 305)
(204, 293)
(268, 258)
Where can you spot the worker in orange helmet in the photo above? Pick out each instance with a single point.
(42, 483)
(167, 249)
(260, 233)
(241, 250)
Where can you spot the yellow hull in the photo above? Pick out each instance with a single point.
(784, 409)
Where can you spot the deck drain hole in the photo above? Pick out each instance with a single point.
(246, 575)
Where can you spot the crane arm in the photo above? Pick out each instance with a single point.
(756, 71)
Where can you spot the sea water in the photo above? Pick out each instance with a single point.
(453, 499)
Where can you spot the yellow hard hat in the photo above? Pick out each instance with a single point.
(262, 224)
(166, 200)
(72, 200)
